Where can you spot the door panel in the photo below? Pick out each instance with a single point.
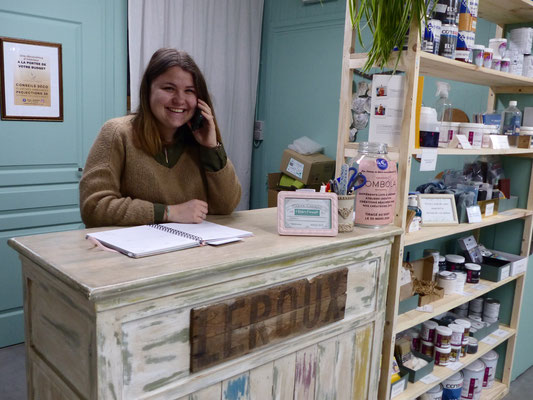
(40, 161)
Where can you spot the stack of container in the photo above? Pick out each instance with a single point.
(520, 41)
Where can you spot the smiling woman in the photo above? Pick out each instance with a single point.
(157, 166)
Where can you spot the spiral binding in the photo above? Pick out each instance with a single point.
(177, 232)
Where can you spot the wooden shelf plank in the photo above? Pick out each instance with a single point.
(466, 152)
(435, 232)
(412, 318)
(414, 390)
(442, 67)
(496, 392)
(506, 12)
(445, 68)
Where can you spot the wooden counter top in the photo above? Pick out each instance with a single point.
(75, 261)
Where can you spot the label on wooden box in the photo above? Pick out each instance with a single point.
(226, 330)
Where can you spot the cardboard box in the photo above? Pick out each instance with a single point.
(273, 180)
(426, 299)
(312, 169)
(494, 269)
(413, 375)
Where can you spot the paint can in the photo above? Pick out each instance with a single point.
(452, 387)
(455, 353)
(464, 347)
(448, 40)
(458, 332)
(491, 360)
(428, 331)
(477, 54)
(475, 306)
(442, 355)
(467, 324)
(447, 281)
(435, 393)
(431, 40)
(446, 11)
(454, 262)
(491, 309)
(427, 348)
(473, 272)
(461, 312)
(472, 345)
(473, 380)
(443, 336)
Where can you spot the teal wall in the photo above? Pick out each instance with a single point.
(39, 161)
(298, 95)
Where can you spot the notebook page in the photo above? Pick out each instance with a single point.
(210, 231)
(142, 240)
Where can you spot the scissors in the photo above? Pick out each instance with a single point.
(352, 180)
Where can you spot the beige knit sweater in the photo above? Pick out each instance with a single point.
(121, 183)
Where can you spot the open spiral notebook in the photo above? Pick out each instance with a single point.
(148, 240)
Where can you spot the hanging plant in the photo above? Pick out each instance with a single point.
(388, 22)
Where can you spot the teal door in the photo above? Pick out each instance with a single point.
(40, 162)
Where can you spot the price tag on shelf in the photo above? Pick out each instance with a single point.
(479, 286)
(474, 214)
(455, 365)
(463, 141)
(500, 333)
(429, 379)
(489, 209)
(428, 162)
(489, 340)
(499, 141)
(425, 308)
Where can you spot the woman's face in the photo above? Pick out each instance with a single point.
(173, 99)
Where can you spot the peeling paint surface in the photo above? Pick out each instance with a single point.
(237, 388)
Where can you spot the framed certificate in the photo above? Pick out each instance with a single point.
(438, 209)
(307, 213)
(31, 80)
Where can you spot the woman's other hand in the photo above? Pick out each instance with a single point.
(191, 212)
(206, 135)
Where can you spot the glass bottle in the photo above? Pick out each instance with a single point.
(375, 202)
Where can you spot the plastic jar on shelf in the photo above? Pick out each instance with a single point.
(447, 131)
(454, 262)
(473, 272)
(477, 54)
(428, 331)
(496, 63)
(487, 57)
(498, 46)
(473, 132)
(447, 281)
(506, 64)
(442, 355)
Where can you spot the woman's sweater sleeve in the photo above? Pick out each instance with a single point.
(223, 188)
(101, 202)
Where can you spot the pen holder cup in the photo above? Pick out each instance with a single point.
(345, 209)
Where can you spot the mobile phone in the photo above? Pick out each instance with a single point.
(197, 120)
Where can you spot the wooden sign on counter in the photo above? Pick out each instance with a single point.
(235, 327)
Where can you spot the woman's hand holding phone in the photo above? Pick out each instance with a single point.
(206, 134)
(190, 212)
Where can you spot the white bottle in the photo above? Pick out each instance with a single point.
(429, 127)
(511, 119)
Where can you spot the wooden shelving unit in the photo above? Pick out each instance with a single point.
(414, 63)
(442, 373)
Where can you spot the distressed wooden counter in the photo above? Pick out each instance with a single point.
(271, 317)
